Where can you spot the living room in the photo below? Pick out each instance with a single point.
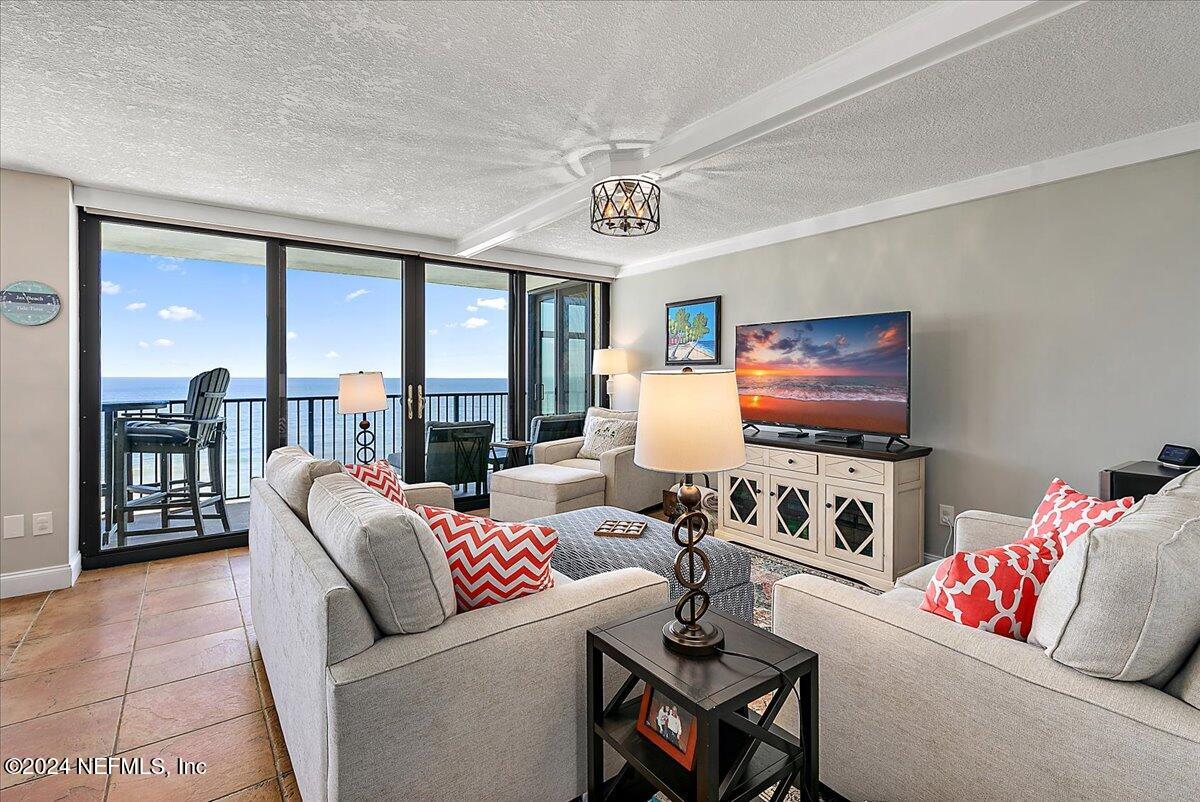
(459, 400)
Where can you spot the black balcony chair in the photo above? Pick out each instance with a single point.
(542, 429)
(200, 428)
(456, 452)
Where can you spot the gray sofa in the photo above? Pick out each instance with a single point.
(488, 704)
(916, 707)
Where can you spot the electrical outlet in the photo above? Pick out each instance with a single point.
(14, 526)
(43, 523)
(946, 514)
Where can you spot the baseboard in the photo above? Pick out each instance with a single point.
(39, 580)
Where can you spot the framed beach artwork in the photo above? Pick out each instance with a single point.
(694, 332)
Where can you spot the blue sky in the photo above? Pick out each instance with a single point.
(176, 317)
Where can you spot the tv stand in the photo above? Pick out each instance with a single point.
(845, 438)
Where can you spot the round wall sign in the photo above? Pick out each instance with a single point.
(29, 303)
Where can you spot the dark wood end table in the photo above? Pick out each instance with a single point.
(513, 453)
(739, 753)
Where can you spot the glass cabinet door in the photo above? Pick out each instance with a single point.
(792, 504)
(854, 526)
(744, 501)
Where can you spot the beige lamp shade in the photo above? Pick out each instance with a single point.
(361, 392)
(689, 422)
(610, 361)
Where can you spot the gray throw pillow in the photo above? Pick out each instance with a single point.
(387, 552)
(1124, 603)
(291, 472)
(605, 434)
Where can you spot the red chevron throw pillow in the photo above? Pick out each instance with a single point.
(490, 561)
(381, 477)
(994, 590)
(1065, 514)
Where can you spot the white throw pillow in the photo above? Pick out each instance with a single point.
(602, 434)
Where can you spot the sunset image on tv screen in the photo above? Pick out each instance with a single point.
(837, 373)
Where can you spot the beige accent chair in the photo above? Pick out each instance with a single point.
(626, 485)
(913, 706)
(489, 704)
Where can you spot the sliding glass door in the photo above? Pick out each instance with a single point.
(561, 339)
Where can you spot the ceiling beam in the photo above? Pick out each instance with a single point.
(929, 37)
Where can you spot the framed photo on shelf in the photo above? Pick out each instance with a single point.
(694, 332)
(668, 726)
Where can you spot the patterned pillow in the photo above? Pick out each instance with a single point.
(1065, 514)
(994, 590)
(381, 477)
(492, 562)
(605, 434)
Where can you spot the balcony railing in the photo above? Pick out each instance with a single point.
(313, 422)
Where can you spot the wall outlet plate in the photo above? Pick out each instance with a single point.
(14, 526)
(946, 514)
(43, 523)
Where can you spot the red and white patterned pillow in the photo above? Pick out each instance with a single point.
(994, 590)
(1065, 514)
(490, 561)
(381, 477)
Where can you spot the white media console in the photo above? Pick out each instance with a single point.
(858, 511)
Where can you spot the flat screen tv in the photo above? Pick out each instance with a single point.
(840, 373)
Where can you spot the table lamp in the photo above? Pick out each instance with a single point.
(609, 362)
(690, 422)
(362, 393)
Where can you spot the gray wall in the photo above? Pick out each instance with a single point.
(1056, 330)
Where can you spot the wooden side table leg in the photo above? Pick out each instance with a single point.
(708, 752)
(595, 710)
(809, 711)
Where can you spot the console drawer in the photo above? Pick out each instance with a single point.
(798, 461)
(858, 470)
(756, 455)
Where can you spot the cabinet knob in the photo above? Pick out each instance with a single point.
(829, 505)
(791, 462)
(851, 470)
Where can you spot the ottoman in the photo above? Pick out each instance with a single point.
(580, 553)
(529, 491)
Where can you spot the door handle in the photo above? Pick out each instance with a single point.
(409, 402)
(421, 401)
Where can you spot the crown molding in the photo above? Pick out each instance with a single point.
(1157, 145)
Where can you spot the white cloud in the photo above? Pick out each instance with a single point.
(472, 308)
(291, 335)
(109, 287)
(500, 303)
(136, 306)
(432, 331)
(350, 296)
(169, 264)
(178, 313)
(474, 323)
(163, 342)
(332, 355)
(143, 344)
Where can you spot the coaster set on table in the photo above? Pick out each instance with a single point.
(630, 529)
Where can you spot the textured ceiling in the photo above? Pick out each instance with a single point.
(430, 118)
(1096, 74)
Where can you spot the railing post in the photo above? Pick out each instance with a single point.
(310, 427)
(456, 399)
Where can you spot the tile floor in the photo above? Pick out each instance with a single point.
(151, 660)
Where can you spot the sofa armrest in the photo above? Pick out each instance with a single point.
(627, 484)
(905, 695)
(557, 450)
(431, 494)
(503, 686)
(975, 530)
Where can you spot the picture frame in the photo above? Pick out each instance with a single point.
(668, 726)
(693, 331)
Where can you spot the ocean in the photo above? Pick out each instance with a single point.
(826, 388)
(127, 388)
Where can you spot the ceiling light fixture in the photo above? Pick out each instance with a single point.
(625, 206)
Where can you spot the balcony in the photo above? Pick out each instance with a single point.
(313, 423)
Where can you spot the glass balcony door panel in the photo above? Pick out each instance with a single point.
(561, 339)
(344, 314)
(577, 353)
(546, 372)
(174, 305)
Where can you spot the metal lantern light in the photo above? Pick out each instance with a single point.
(625, 207)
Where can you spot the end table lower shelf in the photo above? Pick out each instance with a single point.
(739, 753)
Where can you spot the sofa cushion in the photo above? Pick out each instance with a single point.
(995, 590)
(602, 434)
(387, 552)
(291, 472)
(919, 578)
(381, 477)
(582, 464)
(1124, 603)
(1186, 684)
(1065, 514)
(547, 482)
(492, 562)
